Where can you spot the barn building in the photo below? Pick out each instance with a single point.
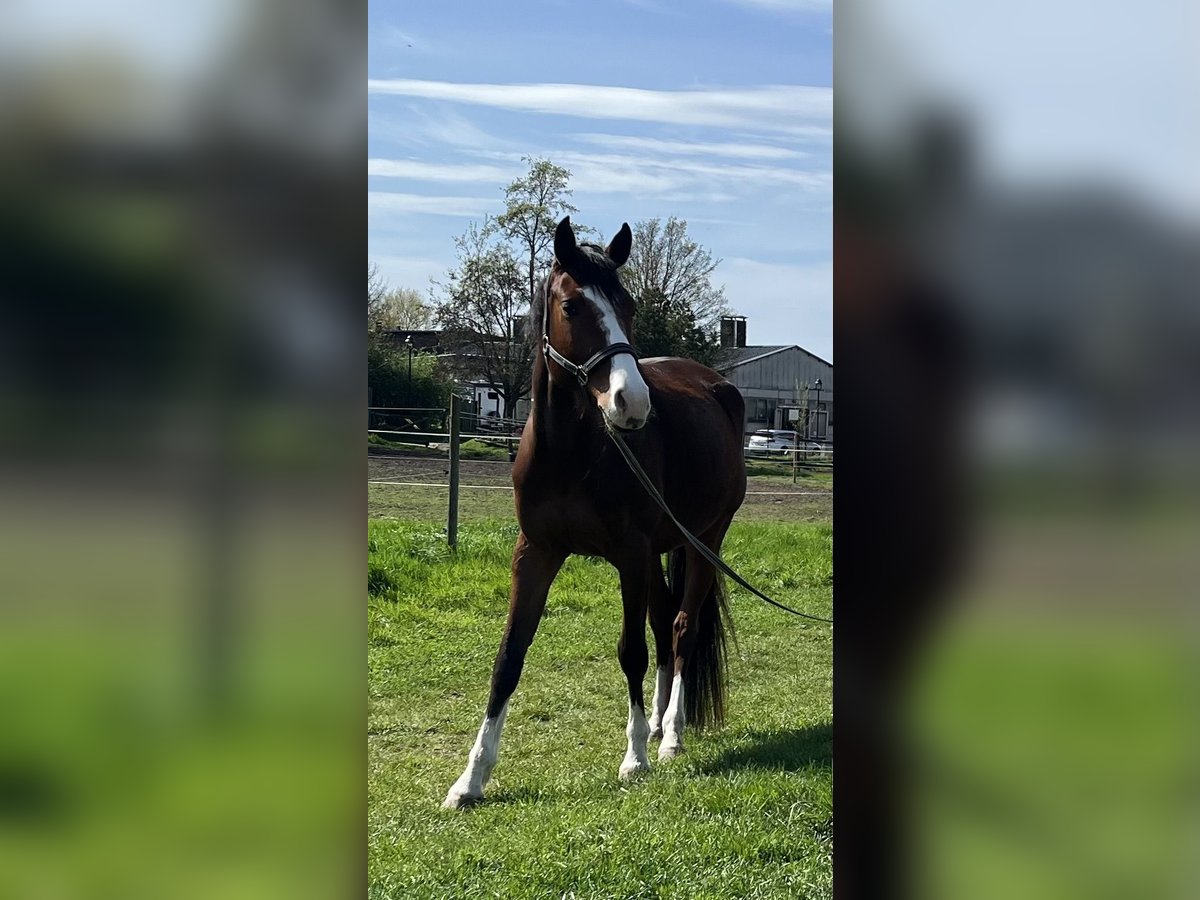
(785, 386)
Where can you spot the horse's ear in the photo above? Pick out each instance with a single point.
(618, 249)
(565, 248)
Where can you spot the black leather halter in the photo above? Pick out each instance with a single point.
(580, 371)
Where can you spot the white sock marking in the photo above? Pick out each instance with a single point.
(637, 731)
(672, 741)
(662, 695)
(480, 762)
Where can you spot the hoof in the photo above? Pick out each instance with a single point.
(670, 751)
(460, 799)
(656, 733)
(631, 770)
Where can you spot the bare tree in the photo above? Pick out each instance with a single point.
(670, 275)
(667, 265)
(376, 294)
(480, 301)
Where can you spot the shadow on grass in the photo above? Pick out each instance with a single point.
(787, 750)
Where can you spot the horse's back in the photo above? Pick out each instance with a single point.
(676, 372)
(699, 410)
(676, 376)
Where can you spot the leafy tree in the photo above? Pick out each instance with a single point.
(533, 207)
(391, 384)
(490, 290)
(392, 380)
(662, 329)
(481, 301)
(671, 277)
(404, 308)
(394, 307)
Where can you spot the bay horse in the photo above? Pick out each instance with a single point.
(575, 494)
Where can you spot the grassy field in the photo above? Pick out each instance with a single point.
(746, 812)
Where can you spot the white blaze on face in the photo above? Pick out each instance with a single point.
(626, 403)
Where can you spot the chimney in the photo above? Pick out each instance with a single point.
(733, 331)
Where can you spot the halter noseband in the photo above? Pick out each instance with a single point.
(580, 371)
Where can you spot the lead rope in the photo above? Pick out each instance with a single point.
(638, 471)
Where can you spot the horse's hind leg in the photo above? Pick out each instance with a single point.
(698, 645)
(636, 575)
(663, 608)
(533, 570)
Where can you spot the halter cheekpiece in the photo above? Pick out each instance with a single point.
(580, 371)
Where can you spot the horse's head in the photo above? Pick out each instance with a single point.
(586, 313)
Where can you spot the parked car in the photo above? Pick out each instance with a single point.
(771, 442)
(778, 443)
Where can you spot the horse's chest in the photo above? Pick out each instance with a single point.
(581, 518)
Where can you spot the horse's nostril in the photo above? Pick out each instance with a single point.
(619, 399)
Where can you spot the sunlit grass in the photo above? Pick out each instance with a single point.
(747, 812)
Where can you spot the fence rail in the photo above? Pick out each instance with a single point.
(484, 436)
(493, 429)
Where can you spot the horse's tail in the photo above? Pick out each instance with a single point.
(704, 668)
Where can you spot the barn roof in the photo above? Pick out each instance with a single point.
(739, 356)
(736, 356)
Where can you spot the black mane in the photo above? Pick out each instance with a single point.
(594, 267)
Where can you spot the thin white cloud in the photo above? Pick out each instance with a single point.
(768, 107)
(418, 128)
(424, 171)
(461, 207)
(605, 173)
(615, 173)
(449, 127)
(691, 148)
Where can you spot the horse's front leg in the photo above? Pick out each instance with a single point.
(533, 570)
(631, 650)
(663, 609)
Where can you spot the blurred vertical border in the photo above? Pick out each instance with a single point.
(182, 385)
(1017, 330)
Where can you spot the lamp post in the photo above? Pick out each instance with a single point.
(817, 385)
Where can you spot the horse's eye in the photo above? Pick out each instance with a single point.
(569, 308)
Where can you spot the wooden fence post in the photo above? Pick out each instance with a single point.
(452, 519)
(795, 453)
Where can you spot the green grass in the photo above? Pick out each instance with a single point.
(816, 473)
(1058, 757)
(413, 504)
(746, 812)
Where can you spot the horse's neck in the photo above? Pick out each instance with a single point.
(564, 428)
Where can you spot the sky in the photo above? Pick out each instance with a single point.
(716, 111)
